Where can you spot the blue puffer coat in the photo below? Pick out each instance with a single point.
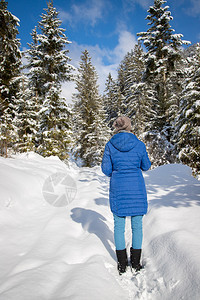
(124, 158)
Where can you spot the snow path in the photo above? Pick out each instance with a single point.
(68, 253)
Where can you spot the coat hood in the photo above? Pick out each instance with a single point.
(124, 141)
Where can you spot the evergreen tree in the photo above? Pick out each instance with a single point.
(52, 54)
(136, 67)
(134, 92)
(55, 131)
(113, 101)
(35, 67)
(109, 101)
(89, 118)
(141, 109)
(10, 61)
(160, 64)
(126, 78)
(49, 66)
(138, 98)
(189, 116)
(27, 117)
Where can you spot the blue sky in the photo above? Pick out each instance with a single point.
(107, 28)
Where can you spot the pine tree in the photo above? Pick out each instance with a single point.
(10, 61)
(55, 130)
(189, 116)
(89, 118)
(135, 77)
(49, 66)
(113, 101)
(160, 64)
(35, 67)
(27, 117)
(125, 80)
(134, 93)
(138, 98)
(51, 49)
(141, 109)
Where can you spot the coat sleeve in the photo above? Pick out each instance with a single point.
(145, 161)
(106, 165)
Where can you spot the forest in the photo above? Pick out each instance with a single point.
(158, 87)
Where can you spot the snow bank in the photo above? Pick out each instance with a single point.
(49, 252)
(171, 228)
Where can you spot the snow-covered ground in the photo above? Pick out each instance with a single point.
(54, 253)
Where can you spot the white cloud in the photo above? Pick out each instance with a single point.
(89, 12)
(65, 16)
(194, 10)
(145, 3)
(129, 5)
(126, 42)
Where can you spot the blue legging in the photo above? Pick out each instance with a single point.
(119, 231)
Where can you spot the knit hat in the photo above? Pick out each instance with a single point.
(122, 123)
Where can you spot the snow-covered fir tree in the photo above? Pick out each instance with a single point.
(113, 101)
(52, 51)
(10, 61)
(189, 116)
(109, 100)
(163, 54)
(141, 109)
(48, 62)
(26, 120)
(136, 98)
(89, 117)
(55, 131)
(130, 72)
(35, 69)
(125, 80)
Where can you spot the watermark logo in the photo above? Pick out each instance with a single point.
(59, 189)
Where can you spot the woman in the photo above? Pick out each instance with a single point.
(124, 158)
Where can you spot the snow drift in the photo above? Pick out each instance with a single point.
(58, 253)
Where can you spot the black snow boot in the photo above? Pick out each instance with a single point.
(135, 259)
(122, 261)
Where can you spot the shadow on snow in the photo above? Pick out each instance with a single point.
(93, 222)
(172, 185)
